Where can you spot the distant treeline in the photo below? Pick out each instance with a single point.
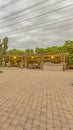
(66, 48)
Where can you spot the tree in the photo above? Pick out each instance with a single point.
(69, 61)
(4, 46)
(29, 51)
(39, 50)
(15, 51)
(68, 47)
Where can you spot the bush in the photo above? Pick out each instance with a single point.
(70, 61)
(1, 71)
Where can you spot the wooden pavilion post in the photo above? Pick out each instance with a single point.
(27, 61)
(21, 64)
(9, 62)
(41, 67)
(61, 59)
(64, 63)
(3, 62)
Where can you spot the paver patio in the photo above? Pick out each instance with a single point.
(36, 100)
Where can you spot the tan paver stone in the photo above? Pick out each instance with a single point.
(5, 126)
(36, 100)
(28, 126)
(18, 128)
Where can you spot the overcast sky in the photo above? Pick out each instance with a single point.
(36, 23)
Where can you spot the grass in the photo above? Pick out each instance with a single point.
(1, 71)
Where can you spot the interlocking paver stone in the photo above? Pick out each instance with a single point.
(36, 100)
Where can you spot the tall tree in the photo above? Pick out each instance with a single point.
(4, 46)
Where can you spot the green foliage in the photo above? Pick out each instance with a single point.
(40, 50)
(0, 60)
(69, 60)
(68, 47)
(48, 50)
(29, 51)
(14, 51)
(4, 46)
(1, 71)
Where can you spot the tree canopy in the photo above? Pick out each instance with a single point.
(4, 46)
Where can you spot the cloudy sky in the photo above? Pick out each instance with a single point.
(36, 23)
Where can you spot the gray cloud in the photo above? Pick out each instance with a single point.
(45, 24)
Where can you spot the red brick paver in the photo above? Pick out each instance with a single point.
(36, 100)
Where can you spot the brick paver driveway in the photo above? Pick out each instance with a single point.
(36, 100)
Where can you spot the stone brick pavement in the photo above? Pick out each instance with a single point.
(36, 100)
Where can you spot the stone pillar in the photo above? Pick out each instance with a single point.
(21, 64)
(3, 63)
